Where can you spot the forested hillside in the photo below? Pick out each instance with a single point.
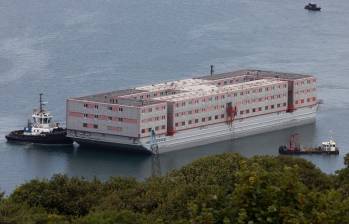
(226, 188)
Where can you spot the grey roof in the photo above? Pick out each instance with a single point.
(105, 98)
(256, 74)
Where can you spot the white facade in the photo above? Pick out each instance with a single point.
(227, 104)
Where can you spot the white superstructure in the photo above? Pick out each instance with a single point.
(196, 111)
(42, 122)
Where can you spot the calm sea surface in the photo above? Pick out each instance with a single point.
(72, 48)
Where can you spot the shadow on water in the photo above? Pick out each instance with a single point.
(263, 144)
(106, 162)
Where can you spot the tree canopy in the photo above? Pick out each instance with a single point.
(226, 188)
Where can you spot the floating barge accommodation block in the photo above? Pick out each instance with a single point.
(195, 111)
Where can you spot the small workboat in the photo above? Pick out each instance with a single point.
(293, 147)
(41, 129)
(312, 7)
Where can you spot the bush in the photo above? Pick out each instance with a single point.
(226, 188)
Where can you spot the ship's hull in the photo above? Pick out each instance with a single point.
(56, 137)
(204, 135)
(290, 152)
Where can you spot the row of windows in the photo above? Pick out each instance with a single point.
(96, 107)
(109, 118)
(197, 111)
(221, 106)
(150, 109)
(210, 99)
(260, 108)
(87, 105)
(308, 100)
(183, 123)
(302, 82)
(155, 94)
(113, 101)
(225, 82)
(305, 91)
(85, 125)
(163, 117)
(144, 130)
(119, 108)
(195, 121)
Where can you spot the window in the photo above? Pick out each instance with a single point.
(190, 121)
(120, 119)
(84, 125)
(209, 118)
(272, 106)
(150, 109)
(85, 105)
(96, 115)
(149, 129)
(95, 126)
(302, 100)
(284, 104)
(259, 108)
(183, 123)
(216, 117)
(203, 119)
(121, 109)
(254, 110)
(241, 112)
(222, 115)
(85, 115)
(176, 124)
(163, 127)
(96, 106)
(156, 128)
(247, 111)
(143, 130)
(278, 105)
(266, 107)
(196, 120)
(110, 108)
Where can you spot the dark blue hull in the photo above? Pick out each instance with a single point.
(55, 137)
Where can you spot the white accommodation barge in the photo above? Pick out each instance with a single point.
(191, 112)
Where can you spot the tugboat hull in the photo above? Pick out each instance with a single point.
(285, 151)
(55, 137)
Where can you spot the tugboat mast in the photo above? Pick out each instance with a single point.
(41, 104)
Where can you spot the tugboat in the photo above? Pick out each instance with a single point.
(312, 7)
(41, 129)
(293, 147)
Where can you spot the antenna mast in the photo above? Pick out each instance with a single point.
(41, 104)
(212, 70)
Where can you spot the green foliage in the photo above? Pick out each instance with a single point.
(60, 195)
(111, 217)
(226, 188)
